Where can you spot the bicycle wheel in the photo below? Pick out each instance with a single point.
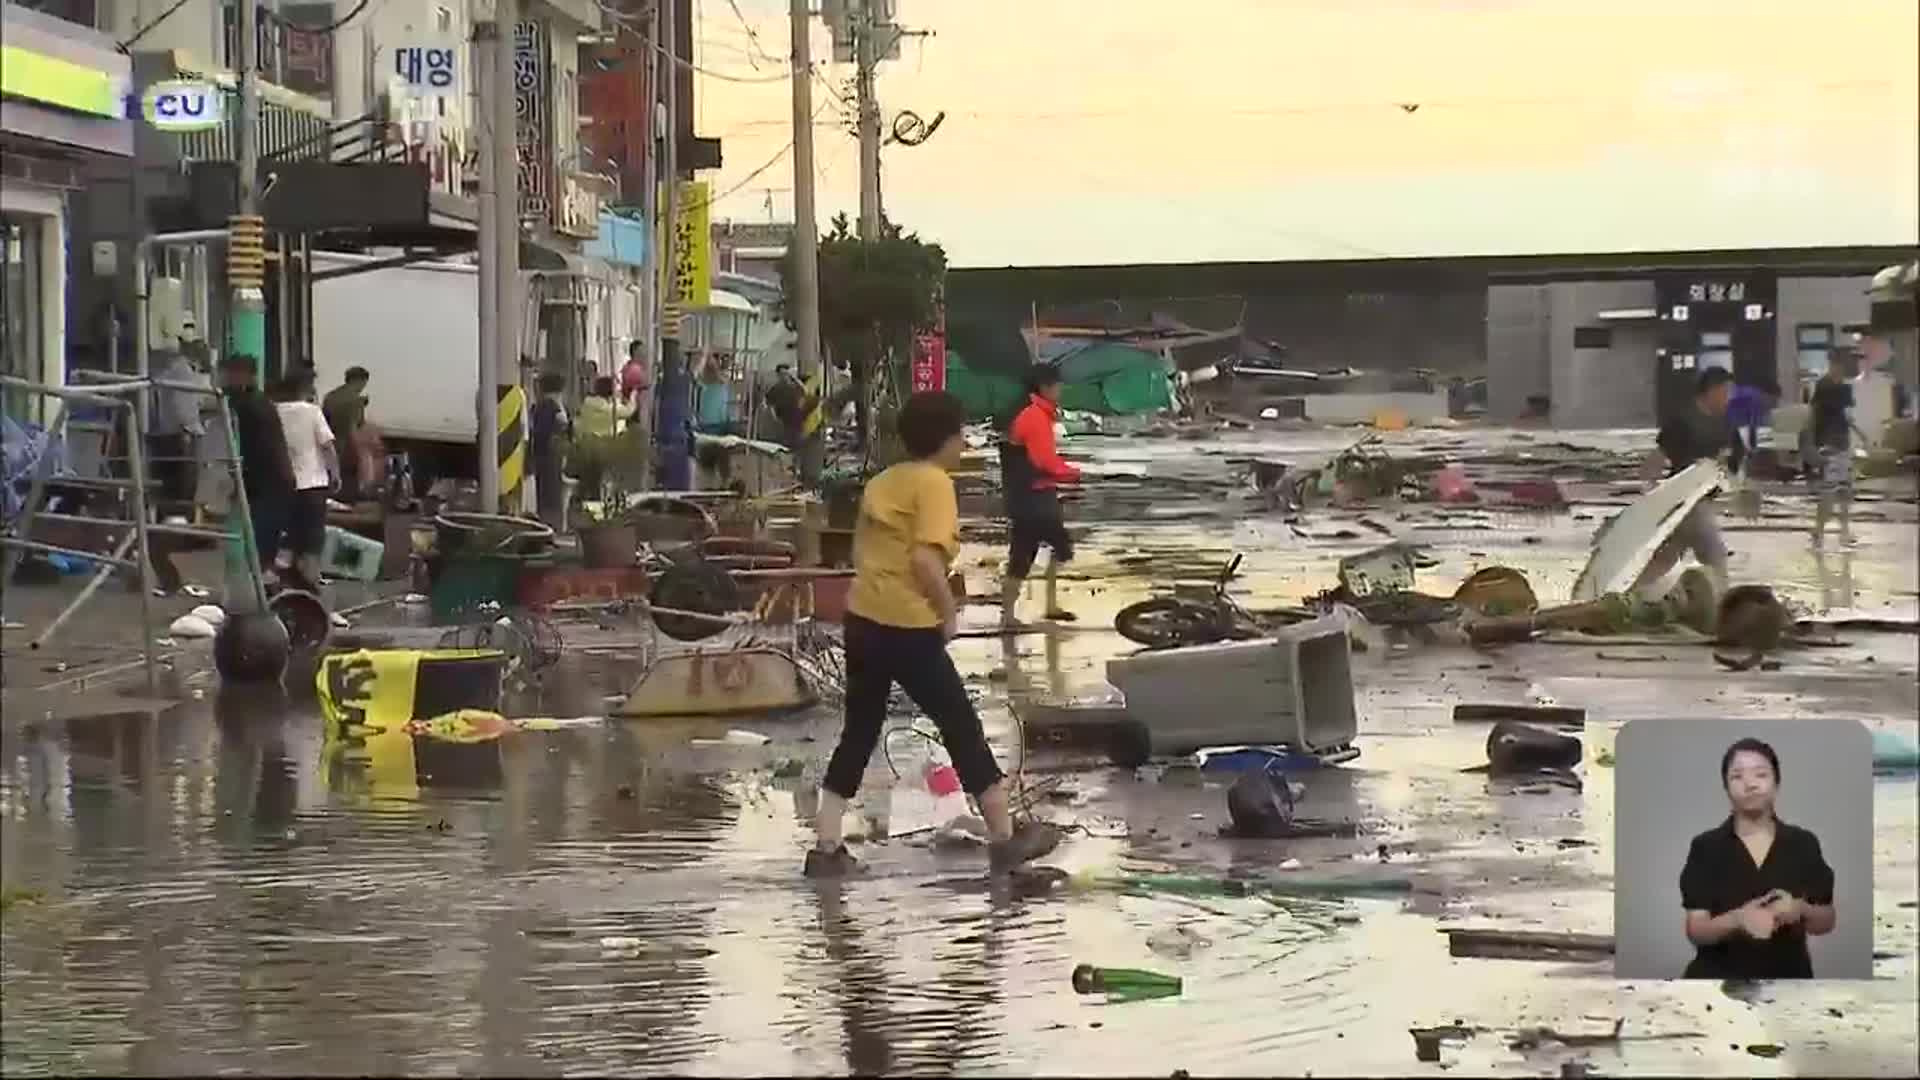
(1164, 621)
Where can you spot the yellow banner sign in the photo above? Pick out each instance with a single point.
(692, 266)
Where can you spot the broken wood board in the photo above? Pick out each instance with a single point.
(1527, 945)
(718, 682)
(1558, 715)
(1625, 544)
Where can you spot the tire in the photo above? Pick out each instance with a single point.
(694, 586)
(1165, 621)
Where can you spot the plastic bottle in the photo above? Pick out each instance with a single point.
(1124, 984)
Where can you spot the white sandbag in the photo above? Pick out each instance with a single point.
(211, 614)
(190, 627)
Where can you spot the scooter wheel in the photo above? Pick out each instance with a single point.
(1165, 621)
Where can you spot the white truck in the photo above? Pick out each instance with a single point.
(415, 329)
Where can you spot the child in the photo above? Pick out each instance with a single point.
(901, 613)
(1833, 425)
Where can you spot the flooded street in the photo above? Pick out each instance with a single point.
(194, 888)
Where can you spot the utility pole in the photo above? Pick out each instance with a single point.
(670, 179)
(805, 301)
(506, 237)
(247, 277)
(246, 245)
(486, 413)
(863, 27)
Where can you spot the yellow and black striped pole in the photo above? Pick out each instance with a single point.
(512, 443)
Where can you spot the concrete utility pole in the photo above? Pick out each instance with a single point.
(506, 238)
(488, 83)
(805, 299)
(670, 181)
(863, 26)
(246, 247)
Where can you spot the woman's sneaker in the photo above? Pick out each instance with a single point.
(830, 864)
(1028, 842)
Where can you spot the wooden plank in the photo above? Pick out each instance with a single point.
(1483, 713)
(1527, 945)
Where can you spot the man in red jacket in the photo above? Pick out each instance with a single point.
(1031, 472)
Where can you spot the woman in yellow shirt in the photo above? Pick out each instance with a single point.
(901, 613)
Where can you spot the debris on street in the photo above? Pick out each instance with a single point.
(1527, 945)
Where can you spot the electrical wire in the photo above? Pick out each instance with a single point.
(148, 29)
(755, 174)
(640, 27)
(753, 36)
(327, 29)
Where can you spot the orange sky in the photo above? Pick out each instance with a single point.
(1096, 131)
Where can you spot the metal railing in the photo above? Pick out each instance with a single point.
(127, 399)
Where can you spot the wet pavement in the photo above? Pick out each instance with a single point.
(193, 889)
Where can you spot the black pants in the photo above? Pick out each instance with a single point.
(268, 511)
(170, 465)
(879, 656)
(1035, 519)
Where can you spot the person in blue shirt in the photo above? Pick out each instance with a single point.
(1748, 409)
(673, 427)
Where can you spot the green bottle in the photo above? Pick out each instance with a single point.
(1124, 984)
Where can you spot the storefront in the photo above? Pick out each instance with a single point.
(63, 109)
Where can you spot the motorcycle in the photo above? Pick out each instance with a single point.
(1184, 618)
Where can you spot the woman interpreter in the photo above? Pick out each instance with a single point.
(1754, 886)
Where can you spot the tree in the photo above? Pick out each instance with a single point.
(874, 297)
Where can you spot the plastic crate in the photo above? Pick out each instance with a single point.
(468, 581)
(350, 555)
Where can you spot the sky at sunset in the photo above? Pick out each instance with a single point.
(1120, 131)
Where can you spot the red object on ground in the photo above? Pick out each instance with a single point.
(942, 780)
(1450, 485)
(540, 589)
(1538, 493)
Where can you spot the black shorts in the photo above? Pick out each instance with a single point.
(1035, 519)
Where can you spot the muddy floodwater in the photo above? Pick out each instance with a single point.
(192, 889)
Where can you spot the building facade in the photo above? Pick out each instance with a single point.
(63, 116)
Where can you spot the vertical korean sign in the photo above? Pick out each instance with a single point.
(531, 109)
(692, 246)
(930, 354)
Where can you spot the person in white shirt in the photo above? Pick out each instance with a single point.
(316, 473)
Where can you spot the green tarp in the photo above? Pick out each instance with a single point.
(1109, 379)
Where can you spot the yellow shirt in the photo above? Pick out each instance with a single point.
(906, 506)
(597, 418)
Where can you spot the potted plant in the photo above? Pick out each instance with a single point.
(609, 539)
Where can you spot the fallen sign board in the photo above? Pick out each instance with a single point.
(1625, 544)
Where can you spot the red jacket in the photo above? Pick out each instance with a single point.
(1032, 430)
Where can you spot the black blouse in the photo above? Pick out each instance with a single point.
(1720, 876)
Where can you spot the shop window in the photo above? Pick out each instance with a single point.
(1813, 346)
(1716, 350)
(21, 326)
(1593, 337)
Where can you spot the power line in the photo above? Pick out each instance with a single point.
(147, 29)
(779, 156)
(631, 23)
(753, 35)
(1405, 106)
(305, 29)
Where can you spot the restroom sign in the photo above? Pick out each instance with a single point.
(184, 105)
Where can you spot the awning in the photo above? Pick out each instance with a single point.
(722, 300)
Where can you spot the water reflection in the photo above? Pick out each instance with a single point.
(1835, 573)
